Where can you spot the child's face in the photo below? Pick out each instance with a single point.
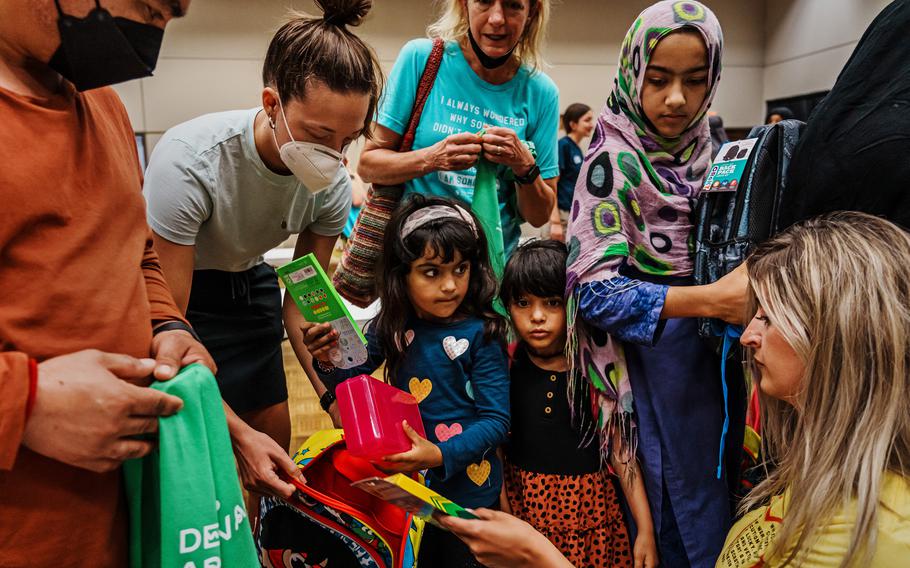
(540, 323)
(676, 83)
(437, 288)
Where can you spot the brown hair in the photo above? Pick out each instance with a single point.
(573, 113)
(323, 49)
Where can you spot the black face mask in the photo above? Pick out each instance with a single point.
(101, 50)
(485, 60)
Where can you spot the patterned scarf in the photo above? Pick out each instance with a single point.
(632, 206)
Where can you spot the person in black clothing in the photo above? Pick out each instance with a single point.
(852, 155)
(553, 475)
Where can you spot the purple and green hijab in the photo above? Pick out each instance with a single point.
(632, 206)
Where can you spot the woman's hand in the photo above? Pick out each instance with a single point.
(423, 454)
(728, 296)
(645, 550)
(260, 460)
(320, 339)
(454, 153)
(499, 540)
(502, 146)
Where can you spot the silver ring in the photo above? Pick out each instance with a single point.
(498, 150)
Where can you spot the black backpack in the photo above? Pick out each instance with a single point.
(730, 224)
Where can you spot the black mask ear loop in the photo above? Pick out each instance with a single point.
(60, 10)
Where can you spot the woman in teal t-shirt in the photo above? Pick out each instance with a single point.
(489, 79)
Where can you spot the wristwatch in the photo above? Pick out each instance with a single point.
(326, 400)
(175, 325)
(529, 177)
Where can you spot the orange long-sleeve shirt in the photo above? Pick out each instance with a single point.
(77, 271)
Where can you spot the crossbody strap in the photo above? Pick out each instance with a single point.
(423, 93)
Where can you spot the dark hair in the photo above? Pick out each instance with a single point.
(784, 112)
(308, 48)
(573, 113)
(445, 236)
(537, 267)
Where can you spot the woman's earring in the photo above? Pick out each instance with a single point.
(271, 122)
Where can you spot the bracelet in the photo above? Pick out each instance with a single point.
(175, 325)
(32, 387)
(324, 367)
(326, 400)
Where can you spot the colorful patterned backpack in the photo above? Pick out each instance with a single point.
(328, 523)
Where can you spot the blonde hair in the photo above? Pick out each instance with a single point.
(838, 289)
(452, 25)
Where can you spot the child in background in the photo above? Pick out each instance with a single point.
(553, 480)
(442, 341)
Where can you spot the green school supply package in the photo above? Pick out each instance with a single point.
(318, 301)
(186, 507)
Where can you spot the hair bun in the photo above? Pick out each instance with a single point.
(344, 12)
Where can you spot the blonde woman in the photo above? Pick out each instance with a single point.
(830, 344)
(491, 79)
(831, 352)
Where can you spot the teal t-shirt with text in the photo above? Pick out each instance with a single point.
(461, 101)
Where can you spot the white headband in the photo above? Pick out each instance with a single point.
(423, 216)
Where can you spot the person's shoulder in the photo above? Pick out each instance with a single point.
(108, 104)
(208, 131)
(418, 48)
(895, 497)
(540, 82)
(339, 190)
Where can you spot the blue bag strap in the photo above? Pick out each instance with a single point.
(732, 334)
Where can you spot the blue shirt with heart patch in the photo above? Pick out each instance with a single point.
(461, 382)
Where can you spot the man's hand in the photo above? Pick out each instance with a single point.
(423, 454)
(260, 460)
(176, 349)
(87, 413)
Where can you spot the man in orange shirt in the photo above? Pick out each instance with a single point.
(86, 318)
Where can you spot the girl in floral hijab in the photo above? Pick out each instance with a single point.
(633, 338)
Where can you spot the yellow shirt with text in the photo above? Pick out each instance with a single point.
(751, 538)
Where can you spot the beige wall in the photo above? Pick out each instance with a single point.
(807, 42)
(211, 59)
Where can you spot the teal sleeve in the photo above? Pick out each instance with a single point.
(543, 128)
(401, 85)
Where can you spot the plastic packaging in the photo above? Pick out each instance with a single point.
(371, 414)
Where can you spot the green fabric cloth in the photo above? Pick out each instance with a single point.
(186, 507)
(486, 207)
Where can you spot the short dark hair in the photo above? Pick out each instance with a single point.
(537, 267)
(308, 48)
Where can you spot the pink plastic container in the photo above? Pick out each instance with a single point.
(371, 414)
